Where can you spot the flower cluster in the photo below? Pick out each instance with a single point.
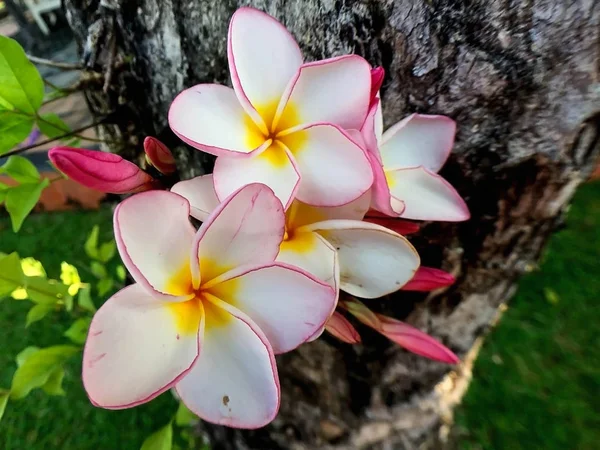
(308, 198)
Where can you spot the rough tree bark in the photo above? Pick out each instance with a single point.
(521, 78)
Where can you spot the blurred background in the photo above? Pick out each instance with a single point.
(535, 383)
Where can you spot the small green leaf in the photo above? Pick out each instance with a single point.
(78, 331)
(85, 299)
(38, 312)
(551, 296)
(120, 272)
(91, 244)
(54, 384)
(107, 251)
(53, 126)
(42, 290)
(184, 417)
(14, 129)
(160, 440)
(24, 354)
(104, 286)
(98, 269)
(20, 169)
(21, 199)
(11, 274)
(21, 85)
(4, 395)
(37, 368)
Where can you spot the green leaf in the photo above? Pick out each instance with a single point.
(69, 275)
(53, 126)
(21, 199)
(120, 272)
(38, 312)
(91, 244)
(85, 299)
(25, 353)
(20, 169)
(184, 417)
(4, 395)
(54, 384)
(104, 286)
(11, 274)
(42, 290)
(107, 251)
(551, 296)
(14, 129)
(37, 369)
(160, 440)
(21, 85)
(98, 269)
(78, 331)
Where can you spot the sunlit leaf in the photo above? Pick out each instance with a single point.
(24, 354)
(20, 169)
(54, 384)
(78, 331)
(184, 417)
(85, 299)
(42, 290)
(32, 267)
(11, 274)
(107, 251)
(14, 129)
(21, 85)
(4, 395)
(160, 440)
(38, 312)
(53, 126)
(37, 369)
(69, 275)
(91, 243)
(104, 286)
(21, 199)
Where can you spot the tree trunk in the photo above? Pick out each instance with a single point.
(521, 78)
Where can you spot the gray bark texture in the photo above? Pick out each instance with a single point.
(522, 80)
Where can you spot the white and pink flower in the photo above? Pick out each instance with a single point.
(208, 311)
(284, 122)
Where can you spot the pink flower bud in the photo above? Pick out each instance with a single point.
(427, 279)
(159, 156)
(415, 341)
(400, 226)
(101, 171)
(377, 75)
(339, 327)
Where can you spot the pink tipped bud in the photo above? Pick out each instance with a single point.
(361, 312)
(339, 327)
(427, 279)
(415, 341)
(104, 172)
(400, 226)
(159, 156)
(377, 75)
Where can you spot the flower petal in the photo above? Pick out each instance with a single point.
(339, 326)
(273, 167)
(427, 279)
(159, 155)
(415, 340)
(200, 192)
(234, 381)
(304, 214)
(335, 90)
(374, 261)
(335, 170)
(372, 129)
(136, 349)
(156, 252)
(209, 117)
(246, 228)
(263, 58)
(418, 140)
(426, 195)
(400, 226)
(377, 75)
(287, 303)
(381, 198)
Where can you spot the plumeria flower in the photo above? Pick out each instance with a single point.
(405, 161)
(373, 261)
(208, 311)
(283, 122)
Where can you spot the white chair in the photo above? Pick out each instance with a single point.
(37, 7)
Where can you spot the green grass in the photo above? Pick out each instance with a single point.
(536, 383)
(71, 422)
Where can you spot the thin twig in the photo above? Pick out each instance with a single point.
(52, 85)
(50, 63)
(47, 141)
